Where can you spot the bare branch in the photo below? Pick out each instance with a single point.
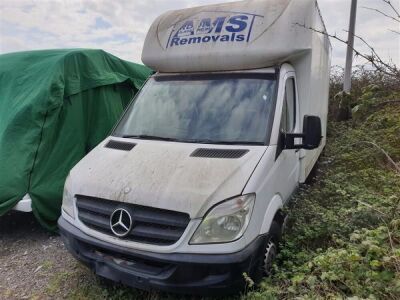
(367, 44)
(374, 59)
(371, 207)
(397, 264)
(394, 31)
(375, 56)
(376, 146)
(382, 13)
(392, 162)
(393, 8)
(388, 102)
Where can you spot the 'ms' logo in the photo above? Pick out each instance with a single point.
(233, 28)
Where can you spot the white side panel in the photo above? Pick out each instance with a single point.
(274, 206)
(313, 74)
(268, 185)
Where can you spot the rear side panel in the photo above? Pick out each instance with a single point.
(312, 72)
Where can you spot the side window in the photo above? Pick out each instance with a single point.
(288, 120)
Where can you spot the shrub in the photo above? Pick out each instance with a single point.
(343, 236)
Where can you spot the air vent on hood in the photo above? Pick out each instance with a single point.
(219, 153)
(120, 145)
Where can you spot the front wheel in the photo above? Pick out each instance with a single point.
(269, 252)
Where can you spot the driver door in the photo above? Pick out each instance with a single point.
(288, 161)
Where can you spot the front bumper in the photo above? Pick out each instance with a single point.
(208, 274)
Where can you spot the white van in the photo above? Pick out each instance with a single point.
(188, 192)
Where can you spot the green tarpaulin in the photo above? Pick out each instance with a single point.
(55, 106)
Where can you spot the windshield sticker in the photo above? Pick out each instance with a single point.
(236, 27)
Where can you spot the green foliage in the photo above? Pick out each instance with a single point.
(343, 237)
(380, 84)
(373, 96)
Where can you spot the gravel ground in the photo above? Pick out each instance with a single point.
(31, 259)
(34, 264)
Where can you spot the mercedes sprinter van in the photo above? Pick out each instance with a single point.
(188, 191)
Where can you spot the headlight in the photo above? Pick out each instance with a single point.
(226, 222)
(68, 202)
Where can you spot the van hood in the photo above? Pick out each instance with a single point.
(163, 175)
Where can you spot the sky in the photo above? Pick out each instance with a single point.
(120, 26)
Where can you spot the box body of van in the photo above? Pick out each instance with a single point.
(188, 192)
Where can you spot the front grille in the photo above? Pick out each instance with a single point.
(150, 225)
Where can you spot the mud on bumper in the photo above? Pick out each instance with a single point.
(205, 274)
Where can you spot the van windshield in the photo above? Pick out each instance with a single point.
(214, 109)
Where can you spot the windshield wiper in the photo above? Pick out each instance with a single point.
(226, 142)
(212, 142)
(149, 137)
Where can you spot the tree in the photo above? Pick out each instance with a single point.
(386, 69)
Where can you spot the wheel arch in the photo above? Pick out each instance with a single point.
(274, 212)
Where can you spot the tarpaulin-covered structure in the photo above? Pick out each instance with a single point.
(55, 106)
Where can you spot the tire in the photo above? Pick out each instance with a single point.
(269, 252)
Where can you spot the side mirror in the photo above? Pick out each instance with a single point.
(311, 136)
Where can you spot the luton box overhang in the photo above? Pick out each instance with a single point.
(232, 36)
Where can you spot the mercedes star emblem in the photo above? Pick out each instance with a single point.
(121, 222)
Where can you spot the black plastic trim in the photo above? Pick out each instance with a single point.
(219, 153)
(202, 274)
(117, 145)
